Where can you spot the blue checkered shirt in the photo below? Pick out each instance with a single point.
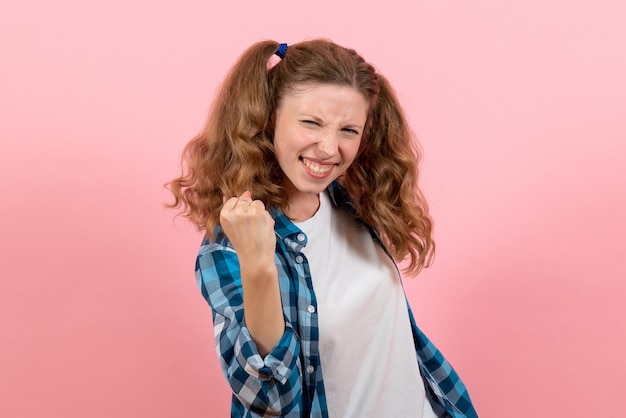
(289, 380)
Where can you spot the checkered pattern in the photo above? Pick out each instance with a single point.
(288, 382)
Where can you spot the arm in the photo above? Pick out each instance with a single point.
(250, 229)
(265, 381)
(269, 384)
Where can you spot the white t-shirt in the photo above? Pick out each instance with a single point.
(366, 345)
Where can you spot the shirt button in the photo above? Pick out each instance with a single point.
(299, 259)
(311, 309)
(300, 237)
(310, 369)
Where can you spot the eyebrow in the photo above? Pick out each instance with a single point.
(310, 116)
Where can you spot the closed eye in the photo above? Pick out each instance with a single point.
(310, 122)
(350, 131)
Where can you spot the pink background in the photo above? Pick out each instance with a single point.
(520, 106)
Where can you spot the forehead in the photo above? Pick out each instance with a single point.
(325, 98)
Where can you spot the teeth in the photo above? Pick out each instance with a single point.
(316, 168)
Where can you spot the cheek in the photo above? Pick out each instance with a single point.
(281, 147)
(286, 140)
(280, 155)
(291, 143)
(285, 152)
(350, 150)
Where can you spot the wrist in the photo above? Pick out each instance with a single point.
(258, 272)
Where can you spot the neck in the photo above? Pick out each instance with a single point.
(304, 208)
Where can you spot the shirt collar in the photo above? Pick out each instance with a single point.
(282, 224)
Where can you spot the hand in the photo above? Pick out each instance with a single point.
(250, 229)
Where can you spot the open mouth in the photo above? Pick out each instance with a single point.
(316, 168)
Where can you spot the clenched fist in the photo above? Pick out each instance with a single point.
(250, 229)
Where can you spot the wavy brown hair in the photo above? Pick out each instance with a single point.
(234, 152)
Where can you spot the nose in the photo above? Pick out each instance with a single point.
(328, 144)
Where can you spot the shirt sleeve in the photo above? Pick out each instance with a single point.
(444, 382)
(267, 386)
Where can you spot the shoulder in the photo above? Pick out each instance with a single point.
(339, 195)
(341, 199)
(216, 254)
(216, 259)
(218, 242)
(217, 274)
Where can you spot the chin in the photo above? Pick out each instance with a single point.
(314, 191)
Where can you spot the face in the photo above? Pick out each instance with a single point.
(317, 135)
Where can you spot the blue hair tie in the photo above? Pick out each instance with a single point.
(282, 48)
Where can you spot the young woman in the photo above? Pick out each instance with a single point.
(305, 180)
